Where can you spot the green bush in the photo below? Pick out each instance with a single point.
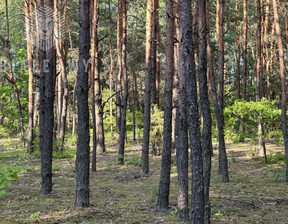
(6, 174)
(156, 133)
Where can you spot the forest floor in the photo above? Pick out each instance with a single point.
(256, 193)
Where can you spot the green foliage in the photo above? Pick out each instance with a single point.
(156, 133)
(35, 215)
(134, 160)
(250, 113)
(278, 158)
(6, 174)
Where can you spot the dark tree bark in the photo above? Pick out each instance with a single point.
(164, 184)
(94, 67)
(47, 94)
(147, 97)
(83, 136)
(125, 81)
(154, 56)
(60, 51)
(245, 60)
(204, 104)
(158, 63)
(100, 141)
(182, 128)
(119, 70)
(283, 82)
(259, 85)
(223, 163)
(175, 77)
(238, 72)
(187, 58)
(30, 134)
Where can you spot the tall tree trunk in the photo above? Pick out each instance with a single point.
(187, 58)
(83, 136)
(259, 86)
(154, 53)
(47, 95)
(204, 105)
(164, 184)
(30, 134)
(271, 63)
(98, 101)
(147, 97)
(283, 83)
(223, 163)
(111, 70)
(238, 76)
(94, 68)
(119, 70)
(175, 77)
(11, 77)
(37, 83)
(245, 60)
(158, 57)
(182, 124)
(125, 81)
(62, 79)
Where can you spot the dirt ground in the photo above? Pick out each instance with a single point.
(256, 193)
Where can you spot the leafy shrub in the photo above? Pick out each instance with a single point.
(133, 160)
(156, 133)
(6, 174)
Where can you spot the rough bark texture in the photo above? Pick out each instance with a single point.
(245, 36)
(164, 184)
(182, 131)
(186, 52)
(125, 81)
(223, 164)
(119, 71)
(175, 77)
(283, 82)
(147, 97)
(30, 134)
(259, 91)
(238, 71)
(83, 136)
(204, 105)
(46, 124)
(158, 58)
(94, 53)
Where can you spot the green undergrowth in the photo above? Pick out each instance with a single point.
(123, 194)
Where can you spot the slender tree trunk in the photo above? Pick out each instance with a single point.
(245, 60)
(37, 83)
(271, 63)
(175, 77)
(111, 70)
(11, 77)
(164, 184)
(283, 82)
(47, 95)
(187, 58)
(223, 163)
(119, 71)
(30, 135)
(238, 72)
(261, 141)
(83, 136)
(62, 79)
(125, 81)
(204, 105)
(182, 127)
(147, 97)
(94, 68)
(158, 57)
